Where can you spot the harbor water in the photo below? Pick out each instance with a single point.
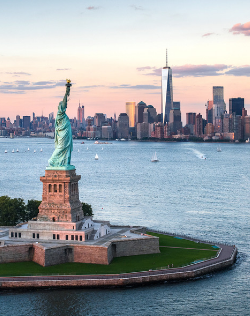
(193, 190)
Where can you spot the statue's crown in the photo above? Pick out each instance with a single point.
(68, 80)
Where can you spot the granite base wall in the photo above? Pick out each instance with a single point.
(134, 247)
(39, 254)
(82, 253)
(59, 255)
(16, 253)
(91, 254)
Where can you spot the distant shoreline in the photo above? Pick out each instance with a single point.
(165, 140)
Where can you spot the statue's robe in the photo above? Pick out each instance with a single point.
(63, 139)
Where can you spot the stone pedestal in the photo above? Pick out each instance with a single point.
(60, 199)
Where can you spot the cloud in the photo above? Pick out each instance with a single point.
(92, 8)
(17, 73)
(199, 70)
(241, 29)
(135, 7)
(144, 68)
(90, 87)
(22, 82)
(156, 72)
(20, 86)
(11, 92)
(123, 86)
(189, 70)
(239, 71)
(208, 34)
(137, 87)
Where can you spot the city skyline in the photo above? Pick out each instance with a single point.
(113, 58)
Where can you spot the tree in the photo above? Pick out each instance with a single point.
(87, 209)
(32, 209)
(12, 211)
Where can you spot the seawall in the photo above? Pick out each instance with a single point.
(225, 259)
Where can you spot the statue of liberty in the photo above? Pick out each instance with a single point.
(61, 156)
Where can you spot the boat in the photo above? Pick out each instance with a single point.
(78, 150)
(28, 149)
(41, 149)
(102, 148)
(87, 148)
(82, 142)
(34, 151)
(248, 140)
(154, 158)
(13, 150)
(96, 157)
(218, 149)
(5, 151)
(17, 150)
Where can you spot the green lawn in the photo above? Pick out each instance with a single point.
(168, 256)
(165, 240)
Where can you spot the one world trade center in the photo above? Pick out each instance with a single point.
(166, 92)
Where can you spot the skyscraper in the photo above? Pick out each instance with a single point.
(80, 113)
(166, 92)
(175, 118)
(190, 118)
(139, 109)
(17, 121)
(236, 105)
(130, 110)
(218, 95)
(219, 105)
(26, 122)
(123, 125)
(209, 111)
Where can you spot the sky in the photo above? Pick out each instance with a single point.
(113, 52)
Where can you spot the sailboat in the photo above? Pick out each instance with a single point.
(13, 150)
(28, 149)
(17, 150)
(218, 149)
(87, 148)
(78, 150)
(41, 149)
(154, 158)
(96, 157)
(34, 151)
(5, 151)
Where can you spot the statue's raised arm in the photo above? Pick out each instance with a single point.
(61, 156)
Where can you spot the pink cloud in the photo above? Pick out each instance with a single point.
(144, 68)
(199, 70)
(241, 29)
(207, 34)
(189, 70)
(92, 8)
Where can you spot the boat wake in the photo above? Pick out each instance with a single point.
(198, 154)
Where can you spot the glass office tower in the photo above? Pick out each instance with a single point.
(166, 93)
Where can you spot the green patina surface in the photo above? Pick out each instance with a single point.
(177, 256)
(61, 156)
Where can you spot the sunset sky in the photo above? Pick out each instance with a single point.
(113, 52)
